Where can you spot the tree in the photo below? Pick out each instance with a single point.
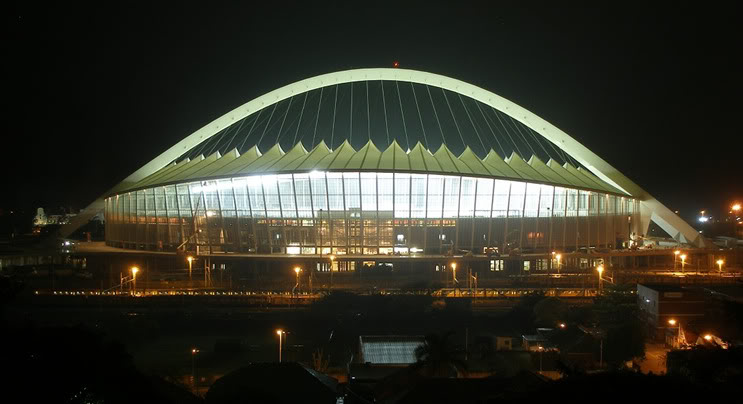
(437, 357)
(549, 311)
(624, 333)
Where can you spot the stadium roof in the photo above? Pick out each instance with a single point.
(370, 158)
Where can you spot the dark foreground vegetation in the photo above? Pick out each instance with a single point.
(101, 355)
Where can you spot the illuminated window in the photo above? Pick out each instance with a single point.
(496, 265)
(483, 203)
(369, 191)
(516, 202)
(542, 264)
(451, 196)
(467, 197)
(435, 196)
(535, 235)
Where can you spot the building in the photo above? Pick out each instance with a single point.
(668, 307)
(356, 169)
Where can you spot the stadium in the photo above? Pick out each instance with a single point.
(381, 168)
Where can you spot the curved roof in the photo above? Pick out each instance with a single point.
(281, 117)
(370, 158)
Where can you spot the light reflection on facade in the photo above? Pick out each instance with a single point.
(366, 213)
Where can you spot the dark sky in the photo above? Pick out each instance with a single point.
(92, 94)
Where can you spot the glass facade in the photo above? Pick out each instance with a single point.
(366, 213)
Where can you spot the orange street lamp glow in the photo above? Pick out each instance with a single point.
(719, 263)
(297, 270)
(672, 322)
(279, 333)
(134, 277)
(708, 337)
(683, 261)
(736, 207)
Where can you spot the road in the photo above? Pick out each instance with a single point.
(655, 358)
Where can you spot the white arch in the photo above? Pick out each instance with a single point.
(673, 224)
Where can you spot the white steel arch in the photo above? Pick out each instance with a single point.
(669, 221)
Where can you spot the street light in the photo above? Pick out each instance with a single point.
(194, 351)
(454, 272)
(280, 333)
(332, 257)
(719, 264)
(708, 337)
(190, 261)
(558, 256)
(600, 270)
(675, 258)
(134, 277)
(683, 261)
(541, 349)
(297, 270)
(678, 335)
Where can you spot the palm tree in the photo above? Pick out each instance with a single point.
(437, 357)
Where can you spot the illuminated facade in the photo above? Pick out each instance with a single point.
(452, 177)
(366, 213)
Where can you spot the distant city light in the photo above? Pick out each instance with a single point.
(703, 219)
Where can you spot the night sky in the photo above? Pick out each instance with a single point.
(92, 94)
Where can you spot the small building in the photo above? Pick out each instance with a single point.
(503, 343)
(667, 306)
(536, 341)
(381, 355)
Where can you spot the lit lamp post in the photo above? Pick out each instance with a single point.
(735, 210)
(134, 278)
(719, 265)
(541, 349)
(673, 322)
(297, 270)
(190, 262)
(558, 256)
(454, 272)
(332, 258)
(600, 270)
(194, 351)
(675, 258)
(553, 256)
(683, 261)
(280, 333)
